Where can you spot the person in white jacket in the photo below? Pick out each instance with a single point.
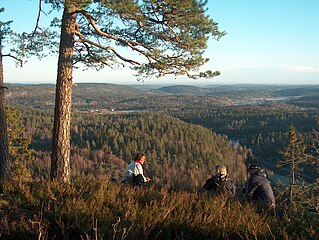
(134, 173)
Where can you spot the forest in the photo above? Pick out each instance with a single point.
(179, 154)
(184, 135)
(258, 121)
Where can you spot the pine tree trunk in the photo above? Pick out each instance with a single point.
(4, 150)
(60, 158)
(292, 140)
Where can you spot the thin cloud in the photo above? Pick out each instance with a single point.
(301, 69)
(293, 69)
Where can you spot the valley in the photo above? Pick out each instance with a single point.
(257, 117)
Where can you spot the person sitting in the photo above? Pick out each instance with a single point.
(259, 190)
(219, 184)
(134, 173)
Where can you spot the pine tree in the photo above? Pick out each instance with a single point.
(4, 151)
(94, 32)
(19, 154)
(22, 46)
(293, 155)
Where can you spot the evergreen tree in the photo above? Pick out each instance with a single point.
(4, 152)
(293, 155)
(93, 32)
(19, 154)
(22, 46)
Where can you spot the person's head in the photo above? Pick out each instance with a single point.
(221, 170)
(140, 157)
(253, 169)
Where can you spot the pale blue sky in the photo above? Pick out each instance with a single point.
(267, 41)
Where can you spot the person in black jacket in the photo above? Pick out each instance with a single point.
(259, 190)
(220, 184)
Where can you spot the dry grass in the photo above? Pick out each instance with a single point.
(98, 209)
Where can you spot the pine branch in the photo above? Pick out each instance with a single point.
(17, 59)
(109, 48)
(38, 19)
(132, 44)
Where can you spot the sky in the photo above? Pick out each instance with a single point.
(267, 42)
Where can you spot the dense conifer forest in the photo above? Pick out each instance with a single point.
(178, 153)
(255, 116)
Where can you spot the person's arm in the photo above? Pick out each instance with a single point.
(251, 188)
(128, 173)
(233, 189)
(208, 184)
(140, 171)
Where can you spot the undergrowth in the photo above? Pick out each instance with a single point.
(99, 209)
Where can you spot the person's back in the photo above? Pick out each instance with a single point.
(220, 184)
(131, 169)
(260, 191)
(134, 173)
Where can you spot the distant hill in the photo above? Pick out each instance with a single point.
(103, 95)
(105, 88)
(43, 95)
(124, 97)
(243, 90)
(33, 95)
(186, 89)
(298, 91)
(305, 96)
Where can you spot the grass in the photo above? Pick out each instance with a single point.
(99, 209)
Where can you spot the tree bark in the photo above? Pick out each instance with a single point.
(60, 158)
(4, 149)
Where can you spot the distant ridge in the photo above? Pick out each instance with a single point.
(105, 87)
(186, 89)
(105, 95)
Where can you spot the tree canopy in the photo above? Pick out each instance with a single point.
(169, 37)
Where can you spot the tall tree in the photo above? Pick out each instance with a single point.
(19, 153)
(4, 152)
(293, 156)
(22, 46)
(166, 37)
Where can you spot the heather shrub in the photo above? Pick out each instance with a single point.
(100, 209)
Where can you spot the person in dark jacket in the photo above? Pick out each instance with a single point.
(220, 184)
(259, 190)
